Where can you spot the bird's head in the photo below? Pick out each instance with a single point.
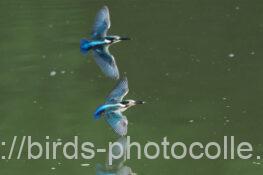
(115, 38)
(129, 103)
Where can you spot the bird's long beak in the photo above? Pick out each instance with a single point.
(125, 38)
(140, 102)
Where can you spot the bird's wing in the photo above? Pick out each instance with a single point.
(102, 23)
(118, 122)
(119, 91)
(106, 61)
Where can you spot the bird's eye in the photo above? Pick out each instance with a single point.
(124, 102)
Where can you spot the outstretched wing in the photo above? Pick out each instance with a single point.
(119, 91)
(118, 122)
(106, 62)
(102, 23)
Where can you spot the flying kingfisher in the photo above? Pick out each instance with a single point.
(115, 105)
(100, 43)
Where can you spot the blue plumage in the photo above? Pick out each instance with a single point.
(100, 44)
(103, 108)
(99, 111)
(85, 46)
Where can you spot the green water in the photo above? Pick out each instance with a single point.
(198, 64)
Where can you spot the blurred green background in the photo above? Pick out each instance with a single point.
(198, 64)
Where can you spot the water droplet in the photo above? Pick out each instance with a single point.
(53, 73)
(85, 164)
(231, 55)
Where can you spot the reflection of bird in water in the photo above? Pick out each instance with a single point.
(125, 170)
(114, 107)
(117, 167)
(116, 150)
(100, 44)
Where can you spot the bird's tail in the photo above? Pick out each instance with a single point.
(85, 46)
(99, 111)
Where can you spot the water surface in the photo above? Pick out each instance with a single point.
(198, 64)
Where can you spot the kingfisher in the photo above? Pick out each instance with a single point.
(115, 106)
(100, 43)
